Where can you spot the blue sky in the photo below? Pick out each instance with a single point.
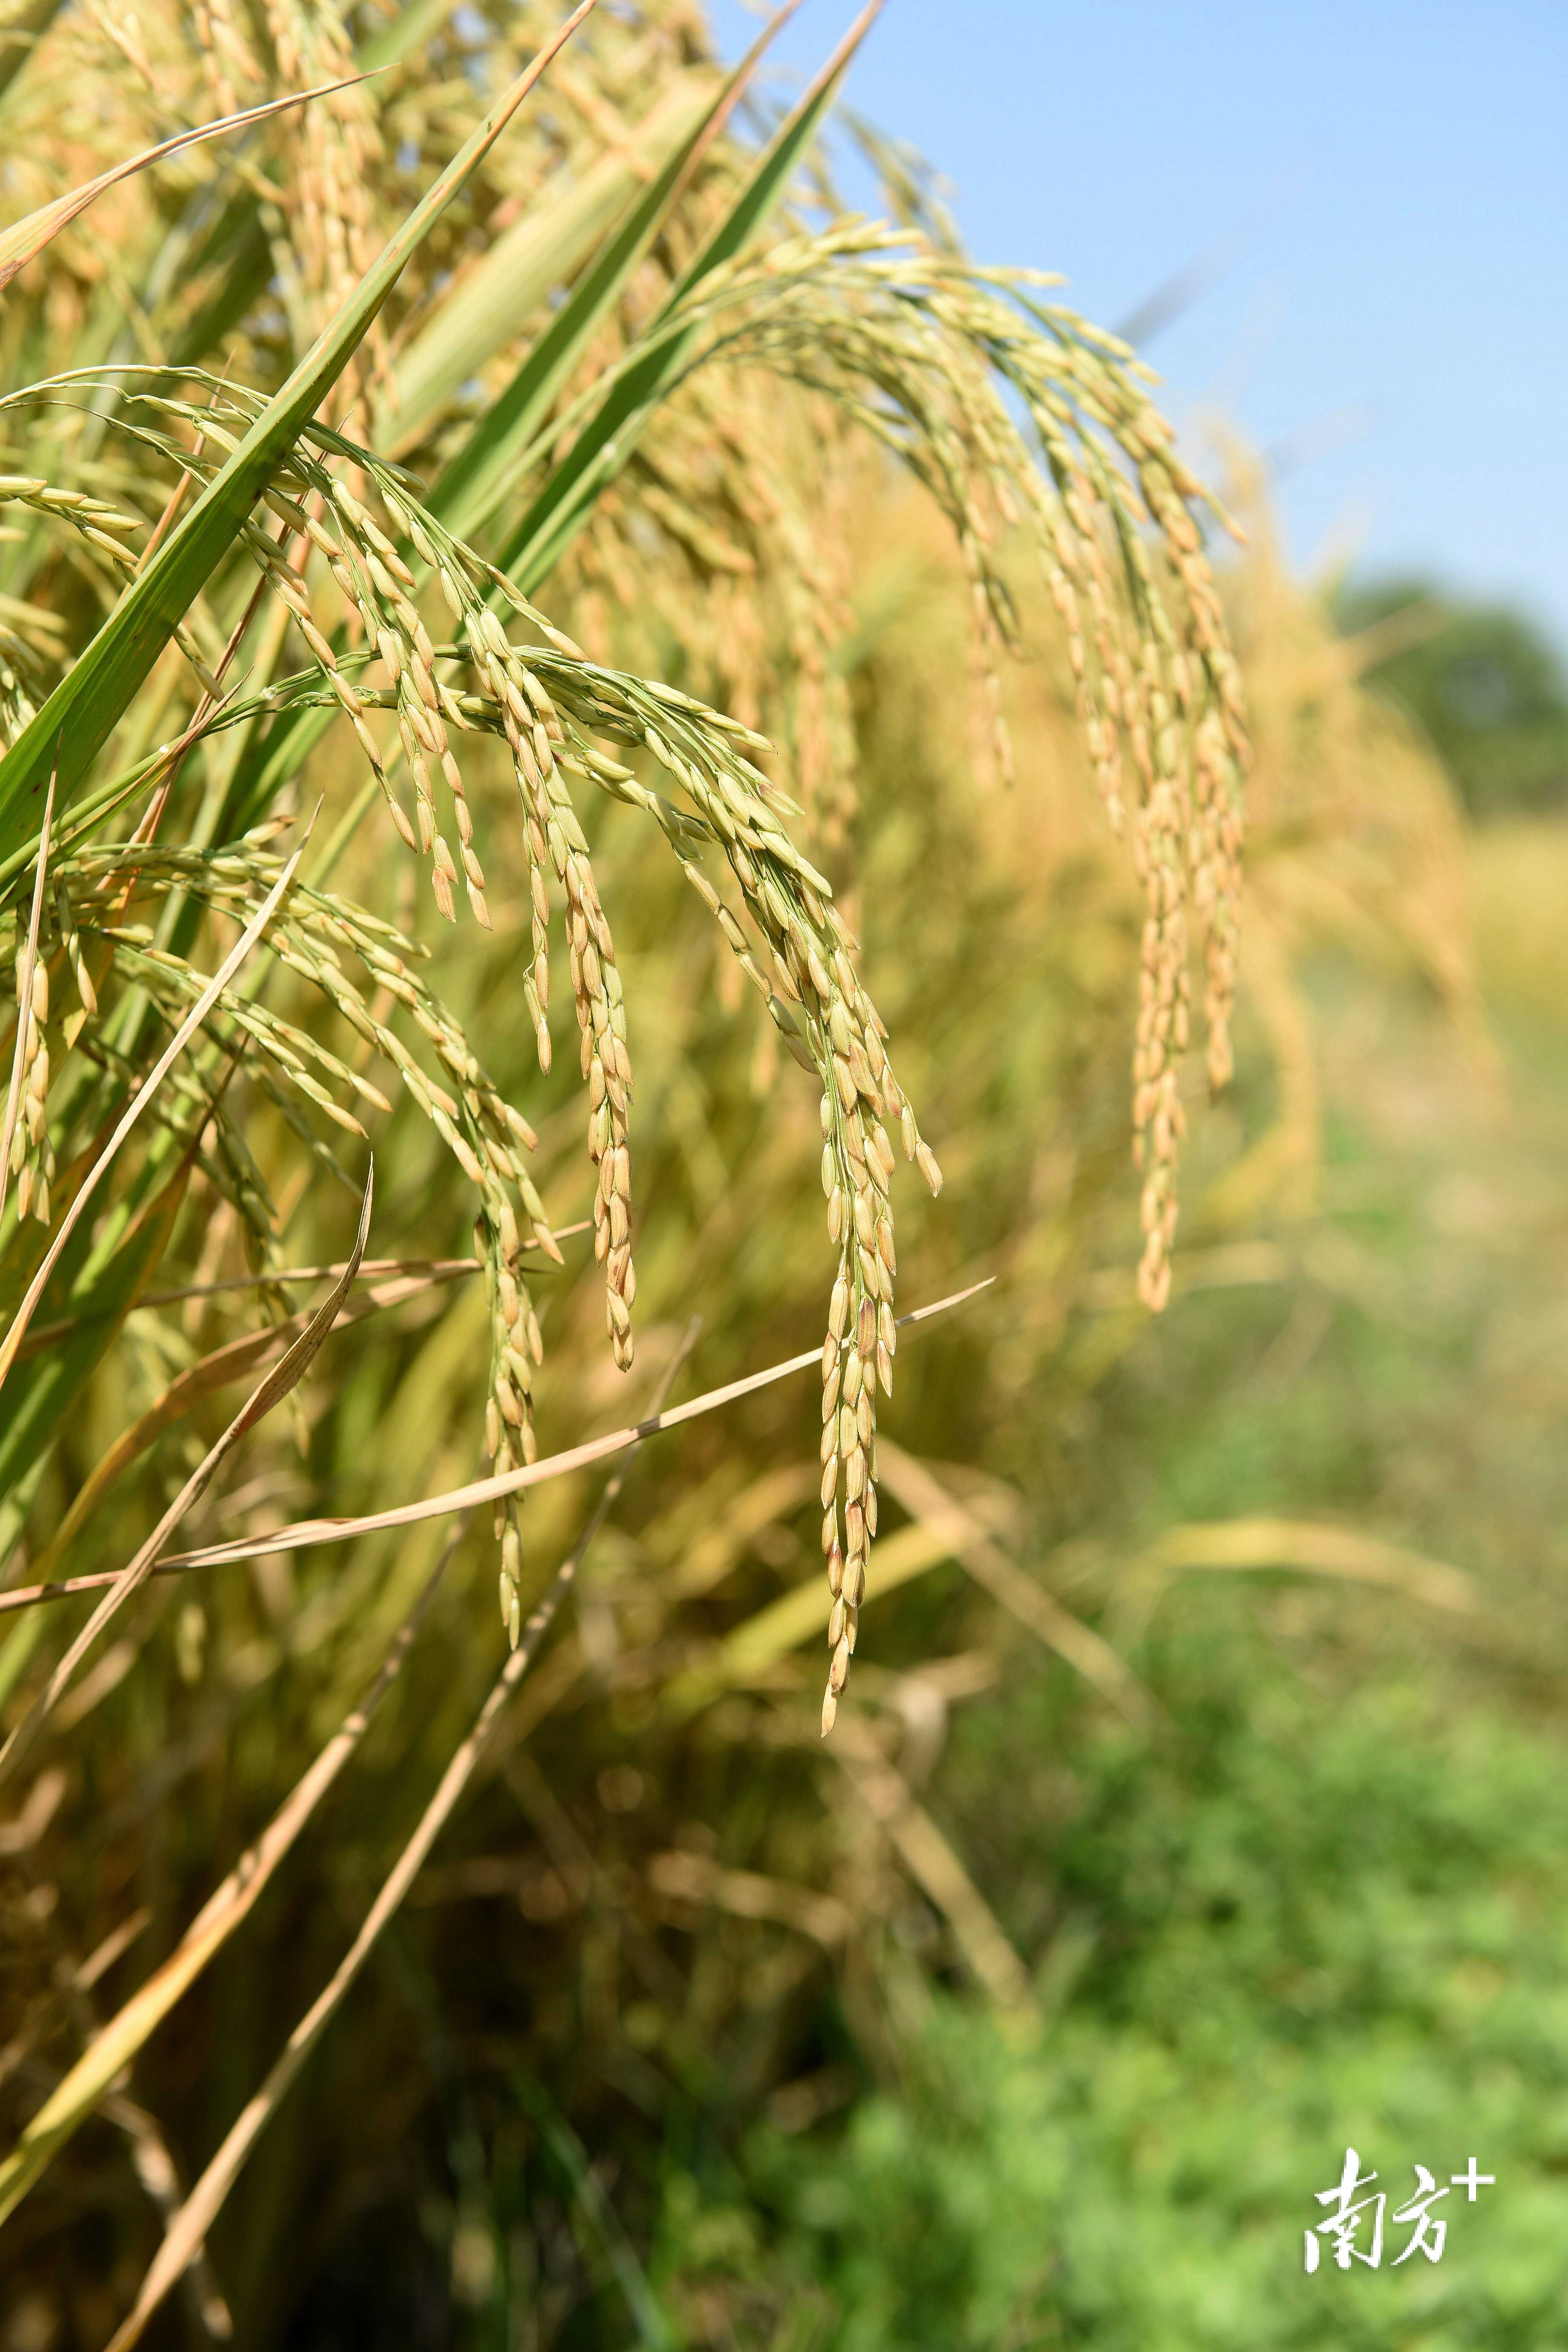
(1390, 183)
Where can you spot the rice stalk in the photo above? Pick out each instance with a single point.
(223, 1913)
(29, 1065)
(188, 2228)
(296, 1362)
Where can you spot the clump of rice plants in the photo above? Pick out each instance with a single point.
(466, 477)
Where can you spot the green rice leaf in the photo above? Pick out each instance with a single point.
(602, 447)
(481, 474)
(98, 1293)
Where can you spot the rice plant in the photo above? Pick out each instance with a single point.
(466, 471)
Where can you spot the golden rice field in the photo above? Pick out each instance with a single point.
(613, 782)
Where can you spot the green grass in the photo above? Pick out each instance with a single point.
(1322, 1932)
(1331, 1915)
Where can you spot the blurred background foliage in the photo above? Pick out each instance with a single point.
(1481, 681)
(1197, 1810)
